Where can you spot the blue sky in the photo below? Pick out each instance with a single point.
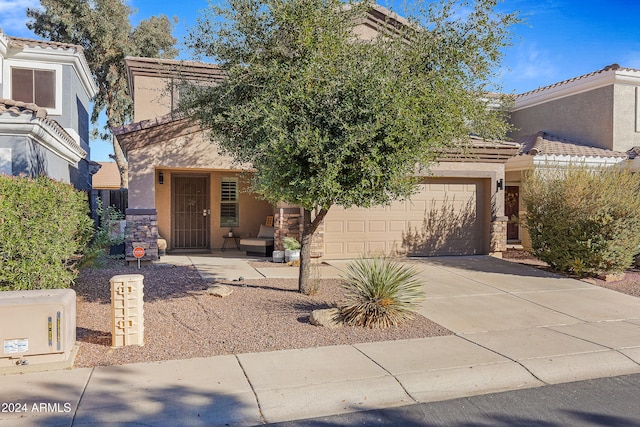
(559, 39)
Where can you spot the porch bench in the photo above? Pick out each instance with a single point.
(257, 246)
(262, 245)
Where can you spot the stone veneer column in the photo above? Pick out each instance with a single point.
(498, 236)
(288, 222)
(141, 231)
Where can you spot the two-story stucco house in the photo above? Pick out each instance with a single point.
(592, 119)
(181, 188)
(45, 90)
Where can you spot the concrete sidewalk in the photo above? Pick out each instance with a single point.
(515, 327)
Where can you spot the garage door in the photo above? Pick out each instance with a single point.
(447, 217)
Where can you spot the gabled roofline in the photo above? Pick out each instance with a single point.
(607, 76)
(60, 53)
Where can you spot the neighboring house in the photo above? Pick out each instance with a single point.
(593, 119)
(183, 189)
(45, 90)
(108, 177)
(106, 186)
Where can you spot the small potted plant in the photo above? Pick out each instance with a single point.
(291, 249)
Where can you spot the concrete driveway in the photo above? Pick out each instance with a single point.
(559, 329)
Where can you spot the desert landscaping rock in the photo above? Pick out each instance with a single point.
(327, 317)
(611, 277)
(182, 321)
(221, 291)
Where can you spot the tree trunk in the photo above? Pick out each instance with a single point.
(305, 283)
(123, 167)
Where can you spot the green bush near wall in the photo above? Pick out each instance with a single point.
(583, 221)
(44, 229)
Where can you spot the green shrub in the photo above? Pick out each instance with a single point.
(291, 243)
(97, 253)
(583, 221)
(379, 293)
(44, 228)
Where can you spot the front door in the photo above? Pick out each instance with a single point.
(191, 212)
(512, 210)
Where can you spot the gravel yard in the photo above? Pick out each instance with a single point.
(182, 321)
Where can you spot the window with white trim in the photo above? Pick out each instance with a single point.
(34, 86)
(229, 206)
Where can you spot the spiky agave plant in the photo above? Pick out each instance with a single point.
(379, 293)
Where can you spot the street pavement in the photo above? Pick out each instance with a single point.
(515, 328)
(600, 402)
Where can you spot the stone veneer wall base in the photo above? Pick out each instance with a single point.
(498, 236)
(141, 231)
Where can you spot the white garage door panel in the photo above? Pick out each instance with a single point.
(446, 217)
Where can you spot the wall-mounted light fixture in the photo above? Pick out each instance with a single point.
(500, 184)
(160, 178)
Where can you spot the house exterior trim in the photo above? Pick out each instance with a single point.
(607, 76)
(57, 53)
(44, 134)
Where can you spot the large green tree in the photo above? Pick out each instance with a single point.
(103, 29)
(327, 119)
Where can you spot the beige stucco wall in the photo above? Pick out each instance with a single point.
(184, 155)
(192, 151)
(253, 212)
(626, 129)
(585, 117)
(152, 98)
(365, 32)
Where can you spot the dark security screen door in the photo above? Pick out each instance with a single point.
(191, 212)
(511, 210)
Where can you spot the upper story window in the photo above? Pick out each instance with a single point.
(35, 82)
(34, 86)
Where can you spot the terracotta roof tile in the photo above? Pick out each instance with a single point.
(543, 143)
(18, 108)
(24, 42)
(145, 124)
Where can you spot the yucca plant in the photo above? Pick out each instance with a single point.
(379, 293)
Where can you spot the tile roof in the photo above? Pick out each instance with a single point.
(544, 144)
(612, 67)
(18, 108)
(24, 42)
(107, 177)
(145, 124)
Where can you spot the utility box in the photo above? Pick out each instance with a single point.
(37, 326)
(127, 327)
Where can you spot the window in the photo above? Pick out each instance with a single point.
(229, 212)
(34, 86)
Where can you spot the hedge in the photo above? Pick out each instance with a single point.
(44, 228)
(583, 221)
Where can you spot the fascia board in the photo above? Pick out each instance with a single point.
(42, 134)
